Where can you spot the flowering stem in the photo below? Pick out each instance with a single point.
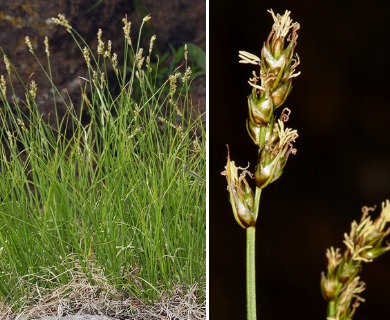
(251, 263)
(270, 89)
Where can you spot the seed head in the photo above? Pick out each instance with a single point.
(240, 193)
(61, 20)
(3, 86)
(28, 43)
(147, 18)
(277, 62)
(274, 155)
(100, 45)
(33, 89)
(46, 42)
(126, 29)
(7, 64)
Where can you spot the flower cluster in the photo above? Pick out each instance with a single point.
(341, 285)
(270, 89)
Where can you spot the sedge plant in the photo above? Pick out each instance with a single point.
(267, 130)
(123, 194)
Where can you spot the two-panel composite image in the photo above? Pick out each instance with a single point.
(194, 160)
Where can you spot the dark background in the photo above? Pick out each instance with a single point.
(340, 106)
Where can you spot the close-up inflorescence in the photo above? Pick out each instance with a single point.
(269, 91)
(274, 140)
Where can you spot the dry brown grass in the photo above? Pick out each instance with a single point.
(97, 297)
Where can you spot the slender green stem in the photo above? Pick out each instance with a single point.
(251, 263)
(257, 202)
(251, 273)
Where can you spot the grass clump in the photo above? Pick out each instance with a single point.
(122, 194)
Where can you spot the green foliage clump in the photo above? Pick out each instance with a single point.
(117, 194)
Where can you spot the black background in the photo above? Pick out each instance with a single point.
(340, 106)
